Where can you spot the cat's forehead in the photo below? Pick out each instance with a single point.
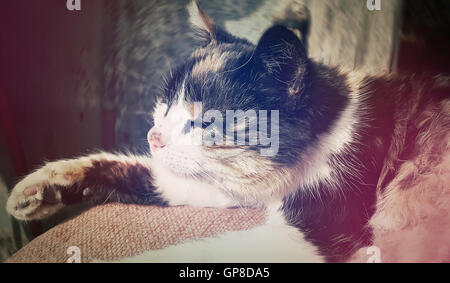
(177, 104)
(208, 72)
(214, 58)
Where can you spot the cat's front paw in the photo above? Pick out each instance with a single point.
(34, 202)
(34, 198)
(38, 195)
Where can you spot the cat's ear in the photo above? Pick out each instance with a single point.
(281, 54)
(201, 21)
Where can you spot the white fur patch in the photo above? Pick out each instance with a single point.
(187, 191)
(159, 112)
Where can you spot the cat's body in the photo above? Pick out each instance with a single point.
(343, 138)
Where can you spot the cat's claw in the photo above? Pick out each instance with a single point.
(34, 198)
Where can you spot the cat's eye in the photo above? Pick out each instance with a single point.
(190, 124)
(206, 124)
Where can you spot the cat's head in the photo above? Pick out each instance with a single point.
(267, 82)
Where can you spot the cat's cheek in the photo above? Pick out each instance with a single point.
(158, 113)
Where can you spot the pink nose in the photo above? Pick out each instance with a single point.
(155, 140)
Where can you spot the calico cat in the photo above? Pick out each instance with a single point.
(342, 139)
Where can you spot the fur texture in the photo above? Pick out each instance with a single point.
(350, 147)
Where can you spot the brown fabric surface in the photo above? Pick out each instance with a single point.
(115, 231)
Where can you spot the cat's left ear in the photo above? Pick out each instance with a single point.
(281, 54)
(201, 21)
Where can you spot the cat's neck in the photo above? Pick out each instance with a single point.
(335, 190)
(356, 145)
(324, 163)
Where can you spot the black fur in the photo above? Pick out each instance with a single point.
(337, 222)
(274, 75)
(277, 75)
(113, 181)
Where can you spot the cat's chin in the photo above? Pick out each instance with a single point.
(179, 173)
(166, 160)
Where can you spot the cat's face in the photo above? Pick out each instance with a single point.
(199, 89)
(226, 75)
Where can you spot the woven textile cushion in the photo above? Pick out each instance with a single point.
(114, 231)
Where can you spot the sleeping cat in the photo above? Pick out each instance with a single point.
(341, 139)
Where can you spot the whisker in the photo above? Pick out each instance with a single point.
(109, 195)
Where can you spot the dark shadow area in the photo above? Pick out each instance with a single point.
(425, 39)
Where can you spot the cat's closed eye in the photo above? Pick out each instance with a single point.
(191, 124)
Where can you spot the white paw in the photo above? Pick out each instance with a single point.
(35, 197)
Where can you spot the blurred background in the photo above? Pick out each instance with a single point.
(75, 81)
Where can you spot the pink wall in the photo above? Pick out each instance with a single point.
(51, 72)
